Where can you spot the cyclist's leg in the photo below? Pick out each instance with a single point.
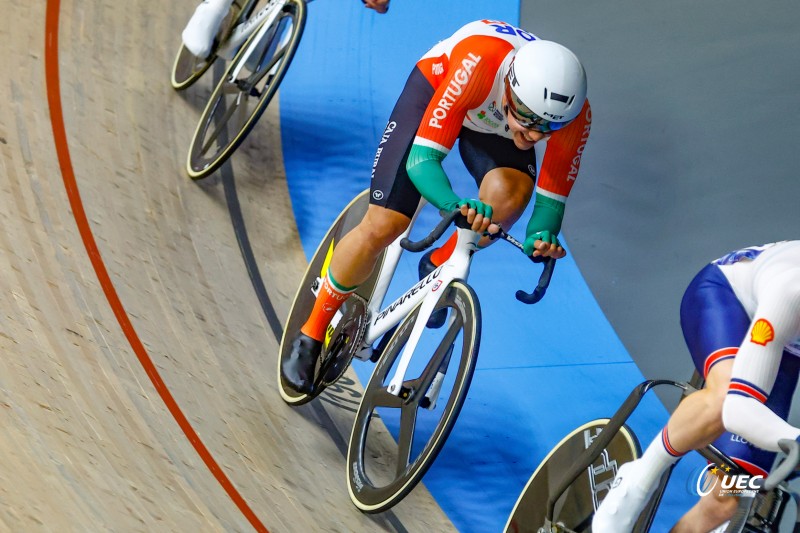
(776, 323)
(713, 323)
(710, 512)
(393, 201)
(393, 198)
(505, 176)
(198, 36)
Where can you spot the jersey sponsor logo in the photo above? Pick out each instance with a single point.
(437, 69)
(496, 112)
(377, 194)
(532, 170)
(390, 127)
(763, 333)
(455, 88)
(484, 118)
(737, 438)
(576, 161)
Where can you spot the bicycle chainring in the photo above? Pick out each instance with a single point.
(345, 341)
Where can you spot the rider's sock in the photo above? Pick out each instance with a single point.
(659, 456)
(330, 298)
(440, 255)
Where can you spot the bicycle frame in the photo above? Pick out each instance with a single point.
(425, 291)
(246, 28)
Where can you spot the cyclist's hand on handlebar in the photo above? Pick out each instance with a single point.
(478, 214)
(381, 6)
(543, 243)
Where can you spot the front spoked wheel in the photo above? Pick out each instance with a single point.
(245, 91)
(380, 472)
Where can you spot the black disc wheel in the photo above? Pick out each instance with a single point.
(351, 321)
(382, 470)
(576, 506)
(245, 91)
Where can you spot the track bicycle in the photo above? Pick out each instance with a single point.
(568, 486)
(260, 38)
(422, 375)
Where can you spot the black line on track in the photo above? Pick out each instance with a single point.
(251, 264)
(240, 229)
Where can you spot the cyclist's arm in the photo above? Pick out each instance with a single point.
(472, 67)
(559, 171)
(776, 323)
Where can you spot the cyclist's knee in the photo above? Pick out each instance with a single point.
(380, 227)
(507, 190)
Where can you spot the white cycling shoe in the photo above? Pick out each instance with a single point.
(623, 503)
(198, 36)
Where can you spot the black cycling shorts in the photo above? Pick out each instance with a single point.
(481, 152)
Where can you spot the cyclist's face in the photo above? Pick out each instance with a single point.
(524, 139)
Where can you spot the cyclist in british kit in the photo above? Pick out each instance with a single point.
(198, 35)
(741, 319)
(499, 90)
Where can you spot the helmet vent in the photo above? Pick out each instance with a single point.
(559, 97)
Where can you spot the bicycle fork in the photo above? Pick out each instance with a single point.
(457, 267)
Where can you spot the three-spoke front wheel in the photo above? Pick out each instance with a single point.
(380, 471)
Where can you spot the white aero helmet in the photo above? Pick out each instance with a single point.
(545, 86)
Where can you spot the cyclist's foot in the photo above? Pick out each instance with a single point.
(623, 503)
(426, 266)
(198, 36)
(298, 370)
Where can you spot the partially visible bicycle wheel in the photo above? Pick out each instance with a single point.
(575, 508)
(304, 299)
(380, 471)
(245, 91)
(187, 67)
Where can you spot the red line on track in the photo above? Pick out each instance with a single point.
(71, 185)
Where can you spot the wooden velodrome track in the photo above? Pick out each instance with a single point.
(140, 310)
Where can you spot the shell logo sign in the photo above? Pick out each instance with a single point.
(762, 332)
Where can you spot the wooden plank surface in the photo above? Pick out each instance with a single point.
(87, 442)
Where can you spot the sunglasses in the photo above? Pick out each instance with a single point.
(527, 118)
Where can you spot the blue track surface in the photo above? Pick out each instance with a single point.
(543, 369)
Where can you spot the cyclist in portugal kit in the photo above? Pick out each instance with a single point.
(741, 320)
(499, 90)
